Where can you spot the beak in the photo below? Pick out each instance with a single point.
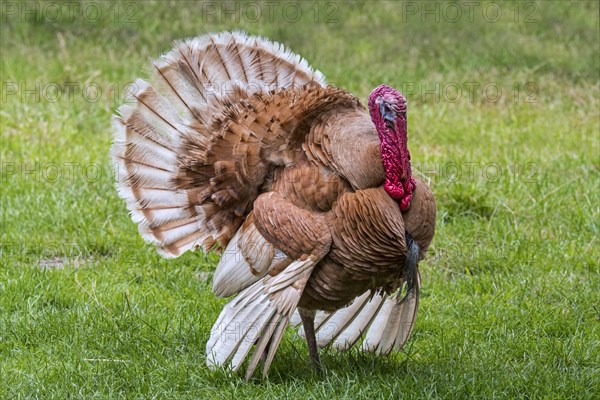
(388, 115)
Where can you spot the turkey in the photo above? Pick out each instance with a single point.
(235, 144)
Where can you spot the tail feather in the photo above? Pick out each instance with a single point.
(145, 152)
(152, 114)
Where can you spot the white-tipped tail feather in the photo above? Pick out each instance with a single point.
(199, 74)
(145, 154)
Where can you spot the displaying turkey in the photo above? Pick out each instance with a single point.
(238, 145)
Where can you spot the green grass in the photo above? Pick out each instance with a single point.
(511, 298)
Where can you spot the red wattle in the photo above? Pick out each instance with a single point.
(401, 193)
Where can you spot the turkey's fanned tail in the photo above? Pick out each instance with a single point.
(182, 177)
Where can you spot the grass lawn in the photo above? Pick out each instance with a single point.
(504, 122)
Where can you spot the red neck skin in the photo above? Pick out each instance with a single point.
(399, 183)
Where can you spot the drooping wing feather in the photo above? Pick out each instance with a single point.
(393, 323)
(384, 322)
(259, 314)
(247, 258)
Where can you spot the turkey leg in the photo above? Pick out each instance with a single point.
(308, 321)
